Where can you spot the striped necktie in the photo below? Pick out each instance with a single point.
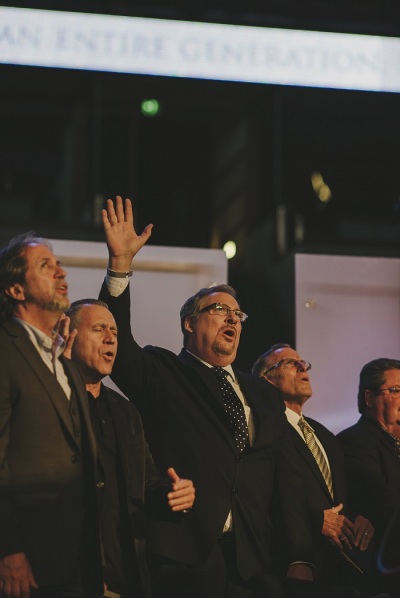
(316, 452)
(234, 409)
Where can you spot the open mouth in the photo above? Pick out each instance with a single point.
(63, 288)
(229, 333)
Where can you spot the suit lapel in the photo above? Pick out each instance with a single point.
(204, 380)
(77, 384)
(306, 454)
(382, 438)
(42, 373)
(336, 462)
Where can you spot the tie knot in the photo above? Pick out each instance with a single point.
(302, 423)
(220, 371)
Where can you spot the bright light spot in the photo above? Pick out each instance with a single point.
(316, 181)
(230, 249)
(324, 193)
(321, 189)
(150, 107)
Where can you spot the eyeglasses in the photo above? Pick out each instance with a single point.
(220, 309)
(299, 364)
(393, 390)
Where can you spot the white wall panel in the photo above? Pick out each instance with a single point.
(347, 313)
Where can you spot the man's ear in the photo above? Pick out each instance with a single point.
(368, 398)
(270, 379)
(16, 291)
(188, 324)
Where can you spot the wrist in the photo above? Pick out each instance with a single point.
(119, 273)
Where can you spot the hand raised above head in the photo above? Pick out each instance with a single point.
(122, 240)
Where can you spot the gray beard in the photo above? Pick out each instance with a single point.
(53, 305)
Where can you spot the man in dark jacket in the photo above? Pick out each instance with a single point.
(129, 484)
(47, 447)
(321, 465)
(372, 451)
(230, 438)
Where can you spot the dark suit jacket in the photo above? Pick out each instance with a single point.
(328, 560)
(318, 495)
(41, 459)
(145, 488)
(187, 428)
(373, 471)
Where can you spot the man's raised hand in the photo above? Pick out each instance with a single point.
(122, 240)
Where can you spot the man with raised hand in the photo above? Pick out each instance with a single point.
(223, 428)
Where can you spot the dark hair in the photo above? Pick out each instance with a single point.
(13, 266)
(263, 363)
(372, 376)
(75, 309)
(192, 306)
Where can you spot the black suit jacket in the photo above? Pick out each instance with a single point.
(42, 463)
(318, 495)
(187, 428)
(328, 560)
(145, 488)
(373, 471)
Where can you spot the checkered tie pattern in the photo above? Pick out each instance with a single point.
(234, 409)
(318, 455)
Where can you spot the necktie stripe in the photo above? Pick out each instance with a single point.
(316, 452)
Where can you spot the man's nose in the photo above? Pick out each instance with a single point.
(109, 337)
(231, 316)
(60, 272)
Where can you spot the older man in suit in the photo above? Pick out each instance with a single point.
(226, 433)
(322, 469)
(130, 485)
(47, 448)
(372, 453)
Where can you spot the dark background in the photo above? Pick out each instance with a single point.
(220, 161)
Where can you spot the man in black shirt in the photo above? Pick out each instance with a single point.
(129, 482)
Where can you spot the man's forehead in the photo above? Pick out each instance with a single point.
(224, 298)
(35, 251)
(97, 314)
(392, 375)
(285, 352)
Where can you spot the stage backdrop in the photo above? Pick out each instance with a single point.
(347, 313)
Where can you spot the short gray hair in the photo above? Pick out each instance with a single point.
(263, 363)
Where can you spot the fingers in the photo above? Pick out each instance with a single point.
(16, 577)
(182, 495)
(146, 233)
(337, 528)
(173, 476)
(118, 211)
(182, 498)
(337, 509)
(69, 344)
(364, 532)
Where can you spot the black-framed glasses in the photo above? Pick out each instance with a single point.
(393, 390)
(300, 364)
(220, 309)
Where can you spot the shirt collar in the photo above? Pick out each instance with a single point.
(54, 344)
(292, 416)
(228, 368)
